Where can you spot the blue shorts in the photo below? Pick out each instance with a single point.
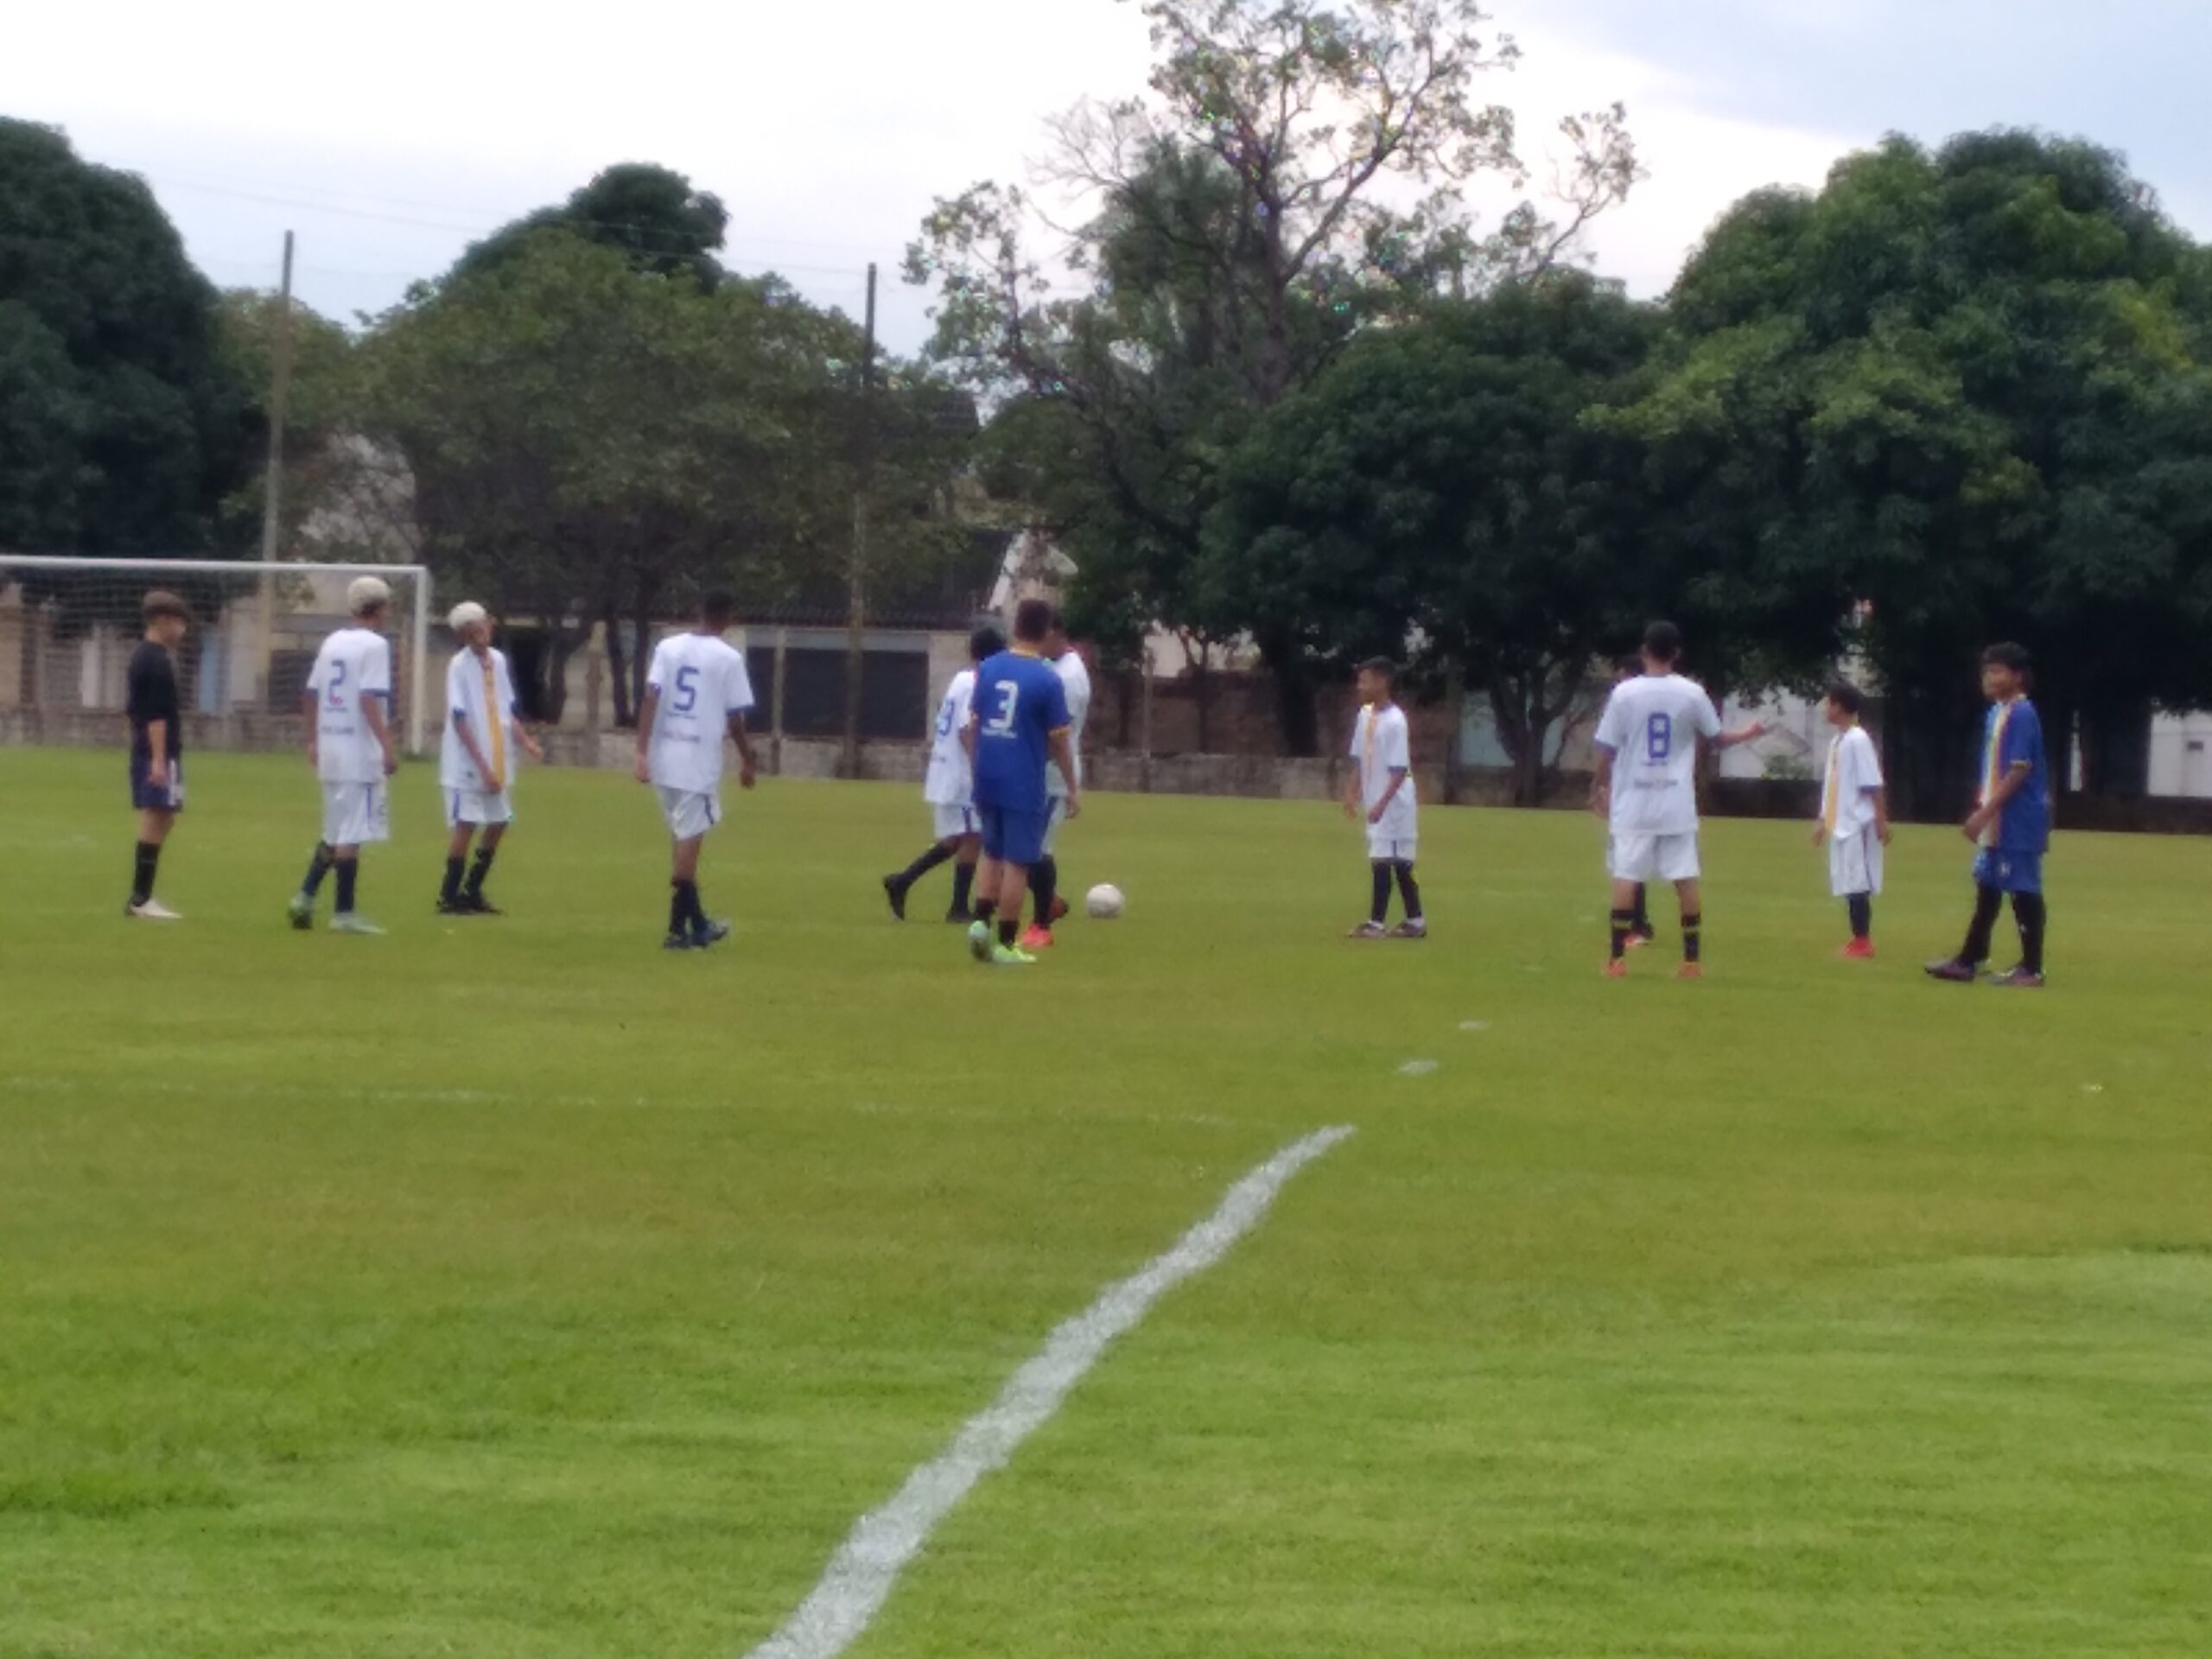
(169, 798)
(2008, 871)
(1013, 834)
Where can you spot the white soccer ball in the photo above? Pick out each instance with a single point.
(1104, 902)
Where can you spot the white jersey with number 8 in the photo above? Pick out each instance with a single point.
(1652, 725)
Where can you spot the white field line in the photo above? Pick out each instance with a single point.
(859, 1576)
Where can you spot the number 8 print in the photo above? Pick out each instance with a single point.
(1658, 739)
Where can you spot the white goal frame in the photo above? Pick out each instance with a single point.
(153, 569)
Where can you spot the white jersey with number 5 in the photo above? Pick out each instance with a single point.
(702, 681)
(353, 665)
(1652, 724)
(952, 779)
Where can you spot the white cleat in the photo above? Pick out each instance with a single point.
(152, 911)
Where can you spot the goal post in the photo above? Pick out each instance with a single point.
(67, 627)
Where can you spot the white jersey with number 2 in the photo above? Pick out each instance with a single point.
(702, 681)
(1652, 725)
(353, 666)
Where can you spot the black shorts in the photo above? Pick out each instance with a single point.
(169, 798)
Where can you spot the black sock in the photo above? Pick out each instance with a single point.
(349, 870)
(1009, 930)
(1379, 906)
(1044, 882)
(922, 866)
(142, 877)
(2034, 917)
(478, 870)
(1409, 891)
(318, 867)
(986, 908)
(1862, 915)
(1623, 924)
(450, 893)
(963, 886)
(1692, 937)
(679, 907)
(1987, 902)
(695, 913)
(1640, 918)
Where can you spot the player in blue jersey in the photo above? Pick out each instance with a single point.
(1021, 724)
(2009, 826)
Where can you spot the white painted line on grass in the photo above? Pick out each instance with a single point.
(859, 1576)
(1416, 1068)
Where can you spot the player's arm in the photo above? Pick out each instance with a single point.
(157, 742)
(1880, 796)
(1062, 748)
(380, 728)
(2010, 785)
(747, 773)
(525, 736)
(1601, 778)
(311, 712)
(648, 712)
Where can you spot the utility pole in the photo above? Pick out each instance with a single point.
(857, 619)
(272, 505)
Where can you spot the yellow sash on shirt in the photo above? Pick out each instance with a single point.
(498, 781)
(1831, 795)
(1992, 766)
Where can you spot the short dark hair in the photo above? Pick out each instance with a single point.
(718, 604)
(1032, 621)
(985, 642)
(1059, 623)
(1848, 697)
(1664, 641)
(160, 603)
(2010, 656)
(1381, 665)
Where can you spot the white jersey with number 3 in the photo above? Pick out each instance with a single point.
(702, 681)
(952, 779)
(1652, 725)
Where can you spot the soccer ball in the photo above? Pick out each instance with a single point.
(1104, 902)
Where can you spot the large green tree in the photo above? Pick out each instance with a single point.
(123, 427)
(1969, 387)
(649, 215)
(1441, 480)
(1295, 171)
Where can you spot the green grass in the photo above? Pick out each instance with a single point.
(514, 1289)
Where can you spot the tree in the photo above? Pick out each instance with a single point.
(321, 405)
(1969, 387)
(649, 215)
(1440, 480)
(122, 428)
(1242, 232)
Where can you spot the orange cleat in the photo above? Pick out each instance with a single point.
(1616, 969)
(1690, 970)
(1036, 938)
(1858, 951)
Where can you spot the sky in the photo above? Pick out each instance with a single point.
(388, 138)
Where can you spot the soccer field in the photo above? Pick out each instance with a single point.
(511, 1288)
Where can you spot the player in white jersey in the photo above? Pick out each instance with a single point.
(1381, 794)
(348, 709)
(696, 693)
(1646, 787)
(1045, 879)
(475, 760)
(1854, 822)
(949, 789)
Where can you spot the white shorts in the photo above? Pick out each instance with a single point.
(1654, 858)
(479, 807)
(1854, 862)
(1056, 814)
(690, 813)
(954, 823)
(1388, 843)
(355, 815)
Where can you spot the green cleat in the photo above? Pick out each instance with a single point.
(979, 941)
(349, 923)
(1007, 955)
(302, 911)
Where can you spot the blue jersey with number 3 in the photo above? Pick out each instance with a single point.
(1020, 703)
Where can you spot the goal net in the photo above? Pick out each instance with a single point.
(68, 625)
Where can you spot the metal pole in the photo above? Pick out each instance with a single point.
(856, 620)
(414, 689)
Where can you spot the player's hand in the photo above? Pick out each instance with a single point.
(1820, 834)
(1351, 809)
(746, 774)
(1882, 834)
(1977, 824)
(532, 747)
(1374, 814)
(390, 760)
(1075, 804)
(643, 772)
(1601, 802)
(315, 757)
(158, 774)
(495, 785)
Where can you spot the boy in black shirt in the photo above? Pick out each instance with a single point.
(156, 747)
